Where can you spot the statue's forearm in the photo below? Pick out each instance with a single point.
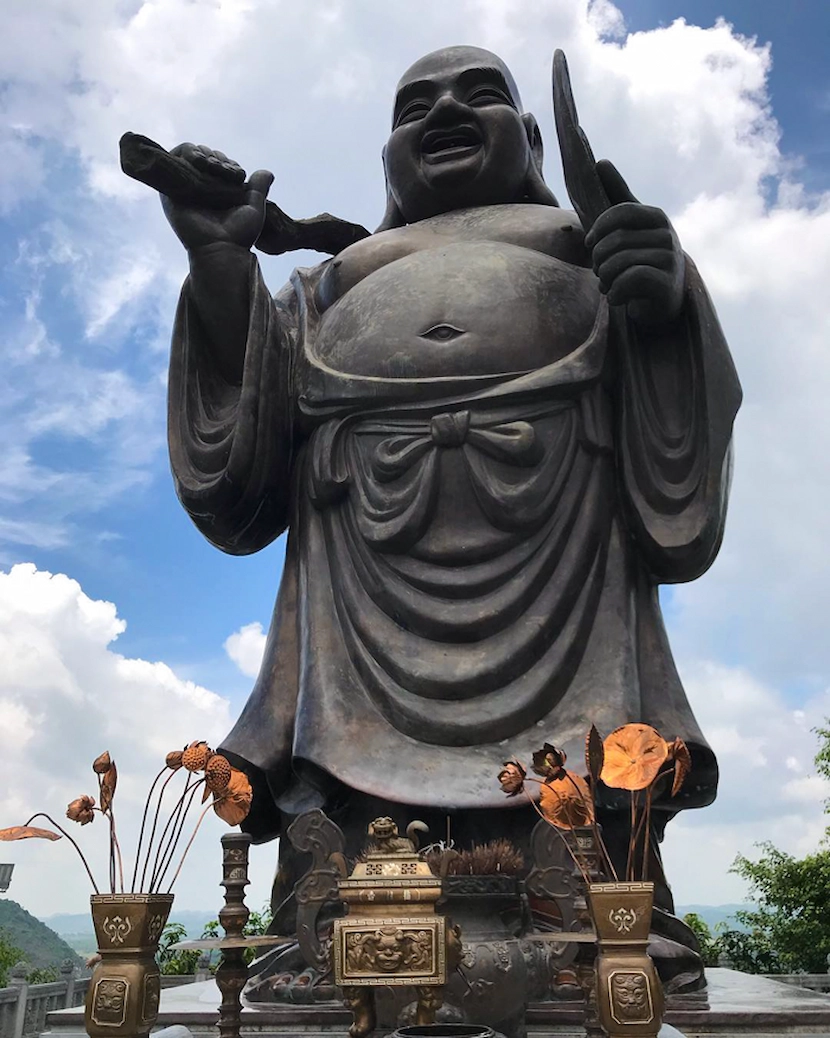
(220, 291)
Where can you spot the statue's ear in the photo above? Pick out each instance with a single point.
(534, 137)
(393, 217)
(536, 190)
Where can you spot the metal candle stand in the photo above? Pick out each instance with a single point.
(232, 972)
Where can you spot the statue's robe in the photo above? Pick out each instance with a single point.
(472, 564)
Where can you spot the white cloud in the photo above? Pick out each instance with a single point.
(66, 695)
(760, 740)
(245, 647)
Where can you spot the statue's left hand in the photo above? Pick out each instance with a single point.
(636, 254)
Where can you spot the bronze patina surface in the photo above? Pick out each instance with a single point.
(391, 936)
(123, 994)
(492, 429)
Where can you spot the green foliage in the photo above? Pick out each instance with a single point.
(38, 945)
(175, 961)
(747, 951)
(823, 758)
(10, 955)
(709, 951)
(183, 961)
(792, 921)
(43, 975)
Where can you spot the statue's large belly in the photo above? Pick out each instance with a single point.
(473, 308)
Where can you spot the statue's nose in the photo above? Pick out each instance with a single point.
(447, 109)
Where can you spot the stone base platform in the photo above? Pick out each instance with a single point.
(740, 1005)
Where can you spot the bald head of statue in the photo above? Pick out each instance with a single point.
(459, 138)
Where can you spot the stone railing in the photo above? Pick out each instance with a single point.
(813, 981)
(23, 1006)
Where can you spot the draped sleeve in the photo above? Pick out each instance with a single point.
(231, 445)
(678, 396)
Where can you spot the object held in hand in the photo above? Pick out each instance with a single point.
(147, 162)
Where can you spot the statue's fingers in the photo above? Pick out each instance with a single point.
(639, 283)
(631, 215)
(615, 186)
(615, 266)
(623, 238)
(259, 184)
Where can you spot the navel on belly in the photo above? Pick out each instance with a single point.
(467, 308)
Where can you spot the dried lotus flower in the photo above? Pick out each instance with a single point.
(173, 760)
(109, 779)
(512, 778)
(196, 756)
(102, 763)
(81, 810)
(234, 803)
(566, 801)
(634, 755)
(679, 753)
(218, 773)
(27, 832)
(549, 762)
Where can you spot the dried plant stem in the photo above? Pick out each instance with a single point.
(647, 833)
(208, 807)
(592, 814)
(166, 858)
(168, 834)
(629, 868)
(117, 847)
(42, 814)
(143, 824)
(153, 828)
(558, 832)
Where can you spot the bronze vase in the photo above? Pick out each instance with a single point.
(629, 993)
(123, 995)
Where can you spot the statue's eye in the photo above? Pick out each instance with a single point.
(487, 96)
(412, 112)
(442, 333)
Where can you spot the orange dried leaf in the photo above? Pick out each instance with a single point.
(109, 780)
(594, 754)
(233, 805)
(27, 832)
(566, 801)
(634, 755)
(682, 765)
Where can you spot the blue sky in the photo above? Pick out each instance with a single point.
(736, 150)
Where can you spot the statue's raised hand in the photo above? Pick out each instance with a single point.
(240, 225)
(636, 254)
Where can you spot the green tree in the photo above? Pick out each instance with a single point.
(183, 961)
(789, 931)
(709, 951)
(793, 914)
(176, 961)
(10, 955)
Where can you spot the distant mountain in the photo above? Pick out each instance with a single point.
(77, 927)
(714, 914)
(39, 943)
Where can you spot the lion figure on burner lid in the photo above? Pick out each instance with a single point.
(386, 838)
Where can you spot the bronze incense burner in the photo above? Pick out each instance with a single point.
(392, 935)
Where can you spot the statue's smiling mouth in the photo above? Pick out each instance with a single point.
(450, 143)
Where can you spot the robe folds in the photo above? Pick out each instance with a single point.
(472, 564)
